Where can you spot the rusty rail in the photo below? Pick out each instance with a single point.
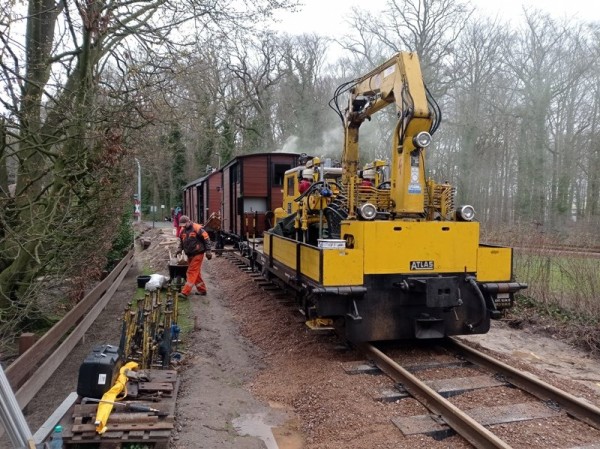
(462, 423)
(579, 408)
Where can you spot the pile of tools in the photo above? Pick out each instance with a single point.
(150, 329)
(125, 413)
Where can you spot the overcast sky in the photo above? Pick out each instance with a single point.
(326, 16)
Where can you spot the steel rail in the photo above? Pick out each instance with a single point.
(574, 406)
(462, 423)
(558, 251)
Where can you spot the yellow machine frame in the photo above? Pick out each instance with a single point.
(400, 261)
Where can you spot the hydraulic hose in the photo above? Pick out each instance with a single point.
(471, 326)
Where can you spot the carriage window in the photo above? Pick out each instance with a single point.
(290, 186)
(235, 173)
(279, 173)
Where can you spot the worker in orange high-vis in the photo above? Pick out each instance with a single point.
(195, 243)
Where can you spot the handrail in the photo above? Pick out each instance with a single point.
(27, 385)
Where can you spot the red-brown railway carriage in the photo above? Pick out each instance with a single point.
(244, 193)
(202, 197)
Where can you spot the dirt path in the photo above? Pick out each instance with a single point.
(220, 363)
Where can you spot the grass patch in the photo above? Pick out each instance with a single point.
(185, 321)
(566, 282)
(139, 294)
(563, 281)
(527, 306)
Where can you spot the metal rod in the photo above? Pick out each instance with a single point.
(12, 417)
(139, 189)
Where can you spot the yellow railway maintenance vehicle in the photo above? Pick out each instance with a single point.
(395, 260)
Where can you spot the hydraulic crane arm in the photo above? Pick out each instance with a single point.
(397, 81)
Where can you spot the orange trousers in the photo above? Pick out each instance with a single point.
(194, 275)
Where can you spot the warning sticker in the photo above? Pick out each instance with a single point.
(414, 186)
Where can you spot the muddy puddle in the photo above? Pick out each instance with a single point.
(276, 429)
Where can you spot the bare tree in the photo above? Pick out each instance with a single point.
(428, 27)
(256, 65)
(534, 59)
(84, 77)
(302, 93)
(477, 103)
(590, 164)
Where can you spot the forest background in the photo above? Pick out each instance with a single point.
(89, 86)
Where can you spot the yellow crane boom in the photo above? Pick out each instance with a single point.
(398, 81)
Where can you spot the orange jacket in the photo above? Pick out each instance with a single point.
(194, 240)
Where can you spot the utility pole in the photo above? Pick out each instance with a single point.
(139, 190)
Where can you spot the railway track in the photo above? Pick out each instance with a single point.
(472, 424)
(592, 252)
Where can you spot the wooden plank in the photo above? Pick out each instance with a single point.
(36, 382)
(160, 434)
(170, 406)
(159, 375)
(88, 410)
(112, 435)
(136, 434)
(138, 418)
(458, 385)
(110, 445)
(437, 365)
(445, 387)
(254, 175)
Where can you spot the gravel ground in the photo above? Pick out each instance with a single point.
(254, 376)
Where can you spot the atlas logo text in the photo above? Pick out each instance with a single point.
(416, 265)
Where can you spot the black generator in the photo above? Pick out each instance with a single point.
(99, 371)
